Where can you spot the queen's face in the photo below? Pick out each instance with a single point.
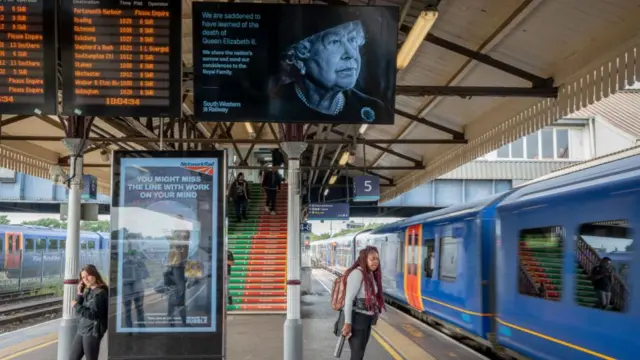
(334, 57)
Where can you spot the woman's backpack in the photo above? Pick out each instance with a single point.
(339, 292)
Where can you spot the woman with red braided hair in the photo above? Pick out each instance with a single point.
(363, 300)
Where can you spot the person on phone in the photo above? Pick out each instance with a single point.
(91, 306)
(363, 300)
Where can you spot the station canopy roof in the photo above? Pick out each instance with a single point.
(529, 62)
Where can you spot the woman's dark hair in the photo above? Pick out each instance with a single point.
(91, 270)
(239, 174)
(373, 300)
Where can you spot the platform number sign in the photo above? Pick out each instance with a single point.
(305, 227)
(366, 188)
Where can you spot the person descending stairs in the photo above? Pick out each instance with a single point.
(257, 282)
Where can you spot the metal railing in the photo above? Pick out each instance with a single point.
(526, 283)
(22, 270)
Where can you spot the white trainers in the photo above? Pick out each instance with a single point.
(273, 213)
(266, 209)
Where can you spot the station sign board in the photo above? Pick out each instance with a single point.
(121, 58)
(168, 209)
(89, 187)
(249, 62)
(366, 188)
(328, 211)
(28, 70)
(305, 227)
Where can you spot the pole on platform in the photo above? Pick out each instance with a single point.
(69, 325)
(293, 147)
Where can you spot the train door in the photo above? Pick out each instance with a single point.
(428, 258)
(13, 244)
(412, 271)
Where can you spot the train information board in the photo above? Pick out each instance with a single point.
(121, 58)
(27, 74)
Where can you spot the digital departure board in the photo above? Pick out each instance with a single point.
(27, 67)
(121, 57)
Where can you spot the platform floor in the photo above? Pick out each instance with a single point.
(249, 337)
(397, 336)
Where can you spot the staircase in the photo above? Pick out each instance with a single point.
(257, 283)
(543, 263)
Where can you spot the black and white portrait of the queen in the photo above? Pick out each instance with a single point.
(320, 73)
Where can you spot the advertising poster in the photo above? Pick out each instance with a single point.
(295, 63)
(167, 242)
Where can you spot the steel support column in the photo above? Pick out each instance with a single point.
(293, 146)
(77, 129)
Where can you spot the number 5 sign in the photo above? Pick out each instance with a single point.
(367, 188)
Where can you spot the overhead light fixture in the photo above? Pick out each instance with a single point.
(416, 36)
(363, 128)
(344, 158)
(326, 192)
(104, 155)
(333, 180)
(249, 127)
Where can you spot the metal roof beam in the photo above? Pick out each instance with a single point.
(456, 134)
(470, 91)
(146, 140)
(336, 167)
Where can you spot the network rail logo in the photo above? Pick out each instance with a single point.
(205, 167)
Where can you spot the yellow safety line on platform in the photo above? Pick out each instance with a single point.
(407, 348)
(26, 351)
(385, 345)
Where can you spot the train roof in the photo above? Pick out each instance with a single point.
(604, 167)
(346, 237)
(43, 230)
(469, 208)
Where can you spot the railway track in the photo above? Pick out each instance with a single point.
(30, 307)
(470, 344)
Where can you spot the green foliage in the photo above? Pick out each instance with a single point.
(97, 226)
(324, 236)
(4, 220)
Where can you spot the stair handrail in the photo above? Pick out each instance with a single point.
(588, 258)
(530, 286)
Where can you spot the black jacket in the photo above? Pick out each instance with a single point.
(233, 193)
(271, 180)
(92, 307)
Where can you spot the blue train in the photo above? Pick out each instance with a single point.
(40, 250)
(514, 272)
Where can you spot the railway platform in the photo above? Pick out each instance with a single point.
(257, 337)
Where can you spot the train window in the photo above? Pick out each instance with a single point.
(63, 244)
(540, 267)
(91, 245)
(41, 245)
(448, 258)
(429, 254)
(603, 255)
(53, 245)
(29, 245)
